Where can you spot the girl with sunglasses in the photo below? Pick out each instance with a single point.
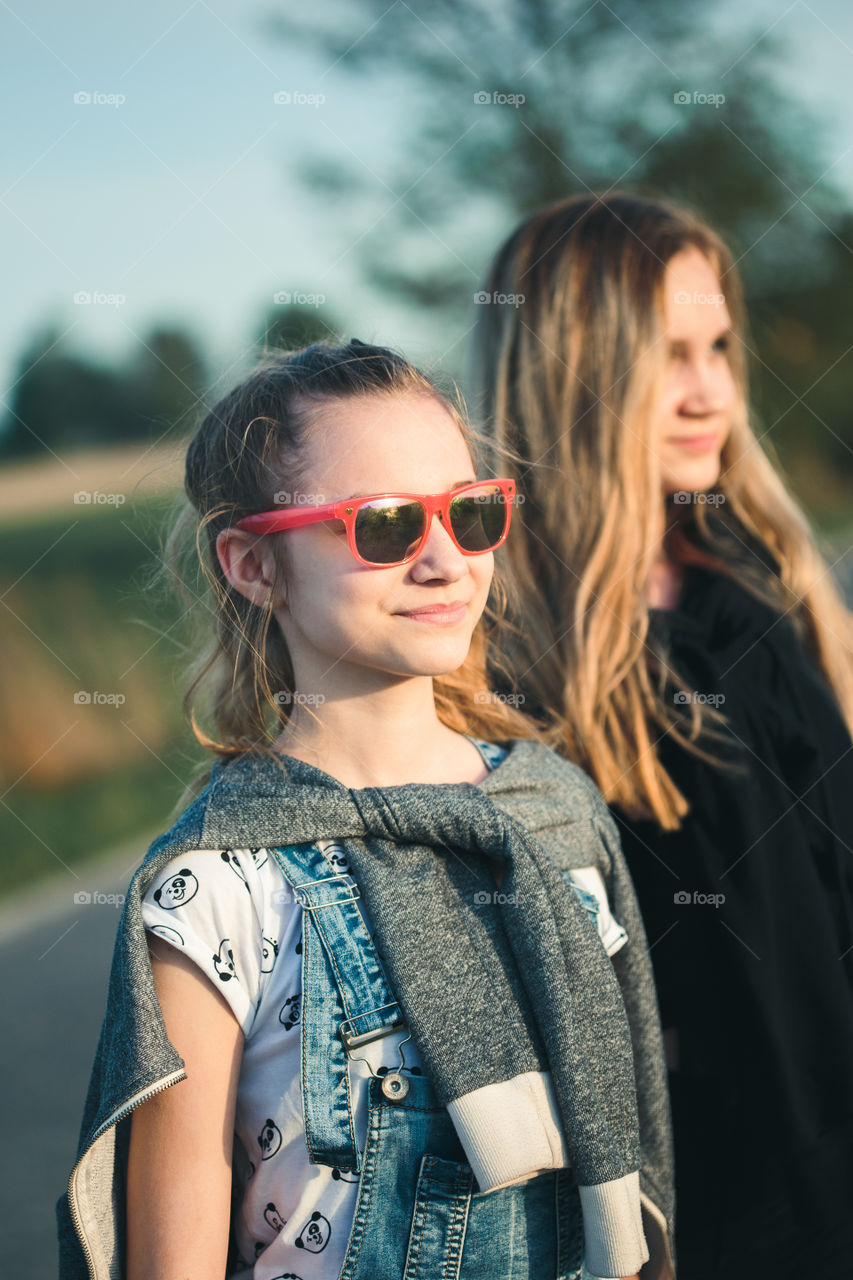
(687, 639)
(380, 1003)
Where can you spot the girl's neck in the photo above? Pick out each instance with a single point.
(381, 742)
(665, 583)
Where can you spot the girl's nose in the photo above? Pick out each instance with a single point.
(439, 556)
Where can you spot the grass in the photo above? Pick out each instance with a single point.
(80, 779)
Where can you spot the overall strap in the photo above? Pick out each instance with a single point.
(346, 1000)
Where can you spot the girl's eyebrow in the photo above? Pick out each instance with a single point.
(456, 485)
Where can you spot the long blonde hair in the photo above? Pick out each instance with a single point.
(247, 449)
(568, 361)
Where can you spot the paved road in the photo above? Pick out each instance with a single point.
(55, 956)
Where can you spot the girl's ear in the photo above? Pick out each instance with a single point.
(249, 566)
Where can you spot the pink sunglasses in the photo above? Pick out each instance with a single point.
(387, 529)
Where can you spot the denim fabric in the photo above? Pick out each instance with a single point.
(418, 1213)
(420, 1217)
(342, 982)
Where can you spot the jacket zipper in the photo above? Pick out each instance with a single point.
(117, 1115)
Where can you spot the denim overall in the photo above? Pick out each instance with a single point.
(419, 1215)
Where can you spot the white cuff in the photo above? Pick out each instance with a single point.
(614, 1243)
(510, 1131)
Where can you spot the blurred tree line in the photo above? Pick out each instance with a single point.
(694, 102)
(61, 398)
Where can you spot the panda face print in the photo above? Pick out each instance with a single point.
(259, 857)
(228, 858)
(274, 1218)
(288, 1014)
(223, 961)
(177, 891)
(164, 931)
(269, 951)
(269, 1140)
(339, 1176)
(315, 1234)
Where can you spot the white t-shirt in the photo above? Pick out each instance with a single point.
(232, 913)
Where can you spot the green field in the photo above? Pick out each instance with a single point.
(77, 779)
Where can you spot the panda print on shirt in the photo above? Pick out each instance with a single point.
(316, 1233)
(223, 961)
(228, 858)
(288, 1014)
(236, 918)
(269, 951)
(177, 891)
(269, 1140)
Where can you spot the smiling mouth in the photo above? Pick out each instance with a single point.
(708, 440)
(447, 613)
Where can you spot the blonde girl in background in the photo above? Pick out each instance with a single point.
(680, 628)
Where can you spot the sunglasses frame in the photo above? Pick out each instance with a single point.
(347, 510)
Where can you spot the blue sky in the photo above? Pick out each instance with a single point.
(182, 200)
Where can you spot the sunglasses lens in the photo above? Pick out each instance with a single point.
(479, 518)
(386, 530)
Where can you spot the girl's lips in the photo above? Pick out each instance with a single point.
(695, 444)
(444, 615)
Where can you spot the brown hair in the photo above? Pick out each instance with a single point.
(569, 379)
(247, 450)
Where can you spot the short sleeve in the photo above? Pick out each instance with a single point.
(215, 905)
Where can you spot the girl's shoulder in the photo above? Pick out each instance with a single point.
(229, 912)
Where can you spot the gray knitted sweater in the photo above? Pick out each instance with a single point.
(238, 809)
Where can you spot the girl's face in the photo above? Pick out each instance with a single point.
(352, 627)
(699, 395)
